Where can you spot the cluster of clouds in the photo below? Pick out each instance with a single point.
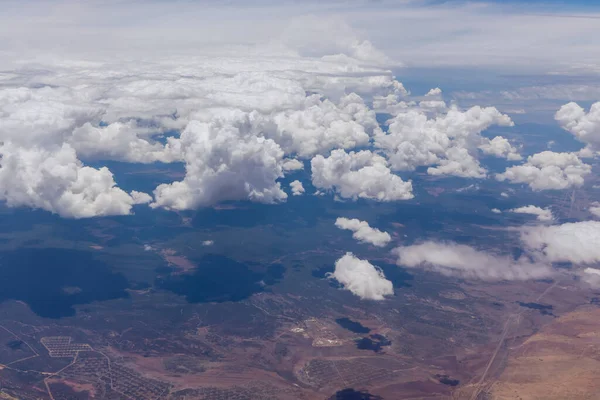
(548, 170)
(541, 246)
(443, 138)
(241, 109)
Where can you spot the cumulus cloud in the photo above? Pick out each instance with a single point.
(465, 261)
(363, 232)
(496, 211)
(595, 208)
(355, 175)
(362, 278)
(542, 214)
(500, 147)
(434, 92)
(322, 126)
(208, 243)
(56, 181)
(292, 165)
(297, 188)
(584, 126)
(225, 160)
(591, 276)
(575, 242)
(448, 141)
(548, 170)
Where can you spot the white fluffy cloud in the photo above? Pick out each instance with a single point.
(357, 175)
(297, 188)
(595, 208)
(542, 214)
(571, 242)
(363, 232)
(584, 126)
(225, 160)
(548, 170)
(362, 278)
(322, 126)
(465, 261)
(56, 181)
(447, 142)
(500, 147)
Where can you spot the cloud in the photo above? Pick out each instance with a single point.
(548, 170)
(575, 242)
(595, 208)
(434, 92)
(292, 165)
(496, 211)
(457, 34)
(465, 261)
(208, 243)
(322, 126)
(591, 276)
(363, 232)
(56, 181)
(500, 147)
(448, 141)
(297, 188)
(357, 175)
(362, 278)
(584, 126)
(543, 214)
(225, 160)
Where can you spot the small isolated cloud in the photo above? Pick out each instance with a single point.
(584, 126)
(465, 261)
(434, 92)
(595, 209)
(591, 276)
(496, 211)
(543, 214)
(292, 164)
(147, 247)
(500, 147)
(362, 278)
(297, 188)
(548, 170)
(576, 242)
(208, 243)
(504, 194)
(355, 175)
(363, 232)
